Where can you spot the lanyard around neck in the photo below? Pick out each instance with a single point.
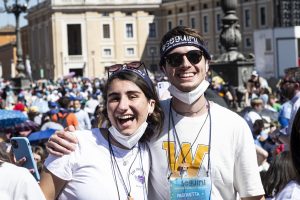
(176, 138)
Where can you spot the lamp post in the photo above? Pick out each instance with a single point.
(16, 8)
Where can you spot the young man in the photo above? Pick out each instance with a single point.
(290, 88)
(205, 151)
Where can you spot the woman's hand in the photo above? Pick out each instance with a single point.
(62, 142)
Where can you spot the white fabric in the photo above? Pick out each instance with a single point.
(192, 96)
(91, 105)
(84, 121)
(251, 117)
(16, 183)
(128, 141)
(290, 192)
(89, 169)
(295, 106)
(233, 157)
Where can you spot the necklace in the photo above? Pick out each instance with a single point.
(175, 134)
(127, 157)
(116, 168)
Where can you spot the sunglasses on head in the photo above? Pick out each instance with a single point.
(176, 59)
(133, 66)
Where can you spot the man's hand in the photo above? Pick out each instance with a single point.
(62, 142)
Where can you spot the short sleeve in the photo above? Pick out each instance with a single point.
(61, 167)
(246, 174)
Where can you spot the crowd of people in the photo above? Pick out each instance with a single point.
(133, 137)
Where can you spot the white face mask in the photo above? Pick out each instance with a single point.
(128, 141)
(192, 96)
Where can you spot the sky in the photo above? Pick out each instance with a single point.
(6, 18)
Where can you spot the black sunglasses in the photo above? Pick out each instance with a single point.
(134, 66)
(176, 59)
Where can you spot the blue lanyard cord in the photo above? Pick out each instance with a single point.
(175, 135)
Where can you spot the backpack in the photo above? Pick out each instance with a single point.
(62, 120)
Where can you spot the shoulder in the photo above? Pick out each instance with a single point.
(290, 191)
(16, 173)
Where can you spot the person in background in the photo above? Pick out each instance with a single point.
(290, 88)
(281, 178)
(64, 117)
(16, 182)
(84, 122)
(91, 104)
(254, 113)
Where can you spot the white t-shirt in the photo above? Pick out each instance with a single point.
(295, 106)
(90, 173)
(290, 192)
(233, 162)
(16, 183)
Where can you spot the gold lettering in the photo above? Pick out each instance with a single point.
(194, 162)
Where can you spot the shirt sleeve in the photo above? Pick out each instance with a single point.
(247, 179)
(27, 188)
(62, 167)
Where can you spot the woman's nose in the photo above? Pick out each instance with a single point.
(124, 103)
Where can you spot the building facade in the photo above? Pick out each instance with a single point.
(86, 36)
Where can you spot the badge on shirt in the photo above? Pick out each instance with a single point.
(194, 188)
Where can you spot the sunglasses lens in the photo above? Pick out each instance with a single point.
(135, 64)
(175, 59)
(114, 68)
(194, 56)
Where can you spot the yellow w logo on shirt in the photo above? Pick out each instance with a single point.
(194, 161)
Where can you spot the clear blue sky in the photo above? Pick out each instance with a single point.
(6, 18)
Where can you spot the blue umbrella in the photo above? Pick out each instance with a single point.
(41, 135)
(9, 118)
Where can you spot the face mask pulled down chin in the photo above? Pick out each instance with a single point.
(192, 96)
(128, 141)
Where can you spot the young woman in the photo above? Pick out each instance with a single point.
(111, 163)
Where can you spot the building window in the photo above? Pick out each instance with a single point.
(262, 16)
(218, 22)
(130, 51)
(129, 30)
(204, 6)
(128, 13)
(169, 25)
(105, 14)
(107, 52)
(248, 43)
(152, 30)
(268, 44)
(152, 51)
(205, 24)
(193, 22)
(247, 18)
(180, 22)
(192, 8)
(106, 31)
(180, 10)
(169, 12)
(74, 39)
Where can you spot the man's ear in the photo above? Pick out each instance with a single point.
(163, 68)
(206, 66)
